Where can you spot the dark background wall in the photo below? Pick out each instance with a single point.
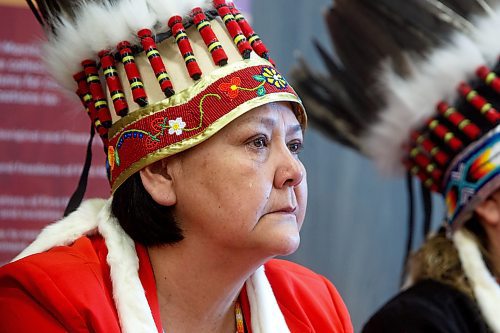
(356, 224)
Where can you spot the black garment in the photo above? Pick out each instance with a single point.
(428, 307)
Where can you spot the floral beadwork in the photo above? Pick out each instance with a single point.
(271, 76)
(268, 75)
(176, 126)
(160, 125)
(231, 88)
(111, 157)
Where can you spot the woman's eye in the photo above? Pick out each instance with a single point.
(259, 142)
(295, 147)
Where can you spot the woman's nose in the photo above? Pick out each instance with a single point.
(290, 170)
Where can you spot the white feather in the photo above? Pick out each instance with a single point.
(411, 100)
(166, 9)
(137, 15)
(486, 35)
(91, 25)
(65, 52)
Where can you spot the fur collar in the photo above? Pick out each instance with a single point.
(133, 310)
(486, 289)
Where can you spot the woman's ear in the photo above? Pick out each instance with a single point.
(158, 182)
(489, 211)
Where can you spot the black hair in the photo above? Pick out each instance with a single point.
(142, 218)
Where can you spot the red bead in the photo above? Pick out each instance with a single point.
(234, 29)
(219, 56)
(151, 50)
(133, 76)
(84, 92)
(98, 97)
(249, 33)
(114, 84)
(456, 118)
(479, 103)
(179, 33)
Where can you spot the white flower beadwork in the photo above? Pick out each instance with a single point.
(176, 126)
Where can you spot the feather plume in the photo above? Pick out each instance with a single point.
(79, 29)
(167, 9)
(142, 18)
(395, 61)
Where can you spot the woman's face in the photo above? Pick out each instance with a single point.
(245, 188)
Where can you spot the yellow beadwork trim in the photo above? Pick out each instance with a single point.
(449, 112)
(202, 25)
(100, 103)
(93, 78)
(117, 95)
(162, 76)
(180, 35)
(486, 107)
(189, 58)
(238, 39)
(128, 58)
(207, 133)
(110, 70)
(136, 84)
(212, 46)
(490, 77)
(463, 124)
(471, 95)
(152, 52)
(448, 136)
(228, 17)
(253, 39)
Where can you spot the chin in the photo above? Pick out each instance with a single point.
(287, 245)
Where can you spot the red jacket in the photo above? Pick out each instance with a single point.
(69, 289)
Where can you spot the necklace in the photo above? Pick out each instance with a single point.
(240, 327)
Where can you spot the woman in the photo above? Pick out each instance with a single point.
(202, 136)
(415, 88)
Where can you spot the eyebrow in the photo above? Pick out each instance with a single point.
(294, 129)
(270, 123)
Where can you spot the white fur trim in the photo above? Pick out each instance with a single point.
(66, 231)
(486, 289)
(266, 314)
(411, 100)
(128, 293)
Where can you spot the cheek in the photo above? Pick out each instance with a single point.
(301, 195)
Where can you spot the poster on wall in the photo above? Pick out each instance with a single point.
(43, 135)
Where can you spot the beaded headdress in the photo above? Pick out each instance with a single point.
(414, 86)
(157, 77)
